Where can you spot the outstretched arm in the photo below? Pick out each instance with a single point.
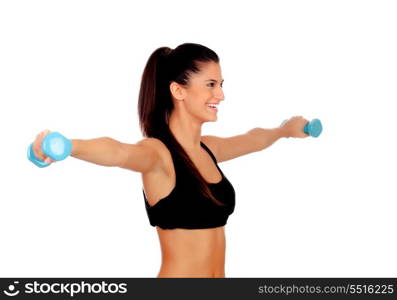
(254, 140)
(105, 151)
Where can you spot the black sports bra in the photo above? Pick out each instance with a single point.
(186, 208)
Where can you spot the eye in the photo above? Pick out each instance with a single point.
(212, 84)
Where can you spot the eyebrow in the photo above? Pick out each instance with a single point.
(215, 80)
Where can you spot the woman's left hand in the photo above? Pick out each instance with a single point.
(294, 127)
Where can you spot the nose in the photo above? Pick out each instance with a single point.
(219, 95)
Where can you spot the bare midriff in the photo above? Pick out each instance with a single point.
(192, 252)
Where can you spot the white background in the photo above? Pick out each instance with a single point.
(305, 207)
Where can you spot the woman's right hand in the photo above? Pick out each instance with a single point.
(37, 146)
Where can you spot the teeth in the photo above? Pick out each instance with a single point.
(212, 105)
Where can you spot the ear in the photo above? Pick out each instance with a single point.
(177, 91)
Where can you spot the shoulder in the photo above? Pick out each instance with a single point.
(156, 146)
(152, 143)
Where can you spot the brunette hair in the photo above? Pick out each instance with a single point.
(155, 101)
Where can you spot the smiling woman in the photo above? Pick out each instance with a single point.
(187, 196)
(172, 99)
(196, 198)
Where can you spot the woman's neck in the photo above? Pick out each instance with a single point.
(186, 130)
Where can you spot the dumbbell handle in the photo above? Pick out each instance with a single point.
(55, 146)
(313, 128)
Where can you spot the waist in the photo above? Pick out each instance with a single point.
(192, 253)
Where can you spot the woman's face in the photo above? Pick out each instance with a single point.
(203, 90)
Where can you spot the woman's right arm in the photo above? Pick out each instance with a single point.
(105, 151)
(142, 157)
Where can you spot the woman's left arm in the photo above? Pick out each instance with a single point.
(254, 140)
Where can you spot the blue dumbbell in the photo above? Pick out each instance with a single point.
(55, 146)
(313, 128)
